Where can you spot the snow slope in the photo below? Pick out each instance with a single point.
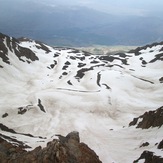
(46, 91)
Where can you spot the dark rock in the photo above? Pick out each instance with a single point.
(22, 110)
(134, 122)
(81, 72)
(157, 57)
(64, 67)
(73, 135)
(14, 141)
(67, 63)
(21, 39)
(4, 50)
(161, 49)
(56, 151)
(131, 69)
(52, 66)
(86, 53)
(81, 65)
(4, 115)
(149, 157)
(42, 46)
(161, 80)
(144, 144)
(69, 82)
(41, 106)
(98, 79)
(72, 57)
(160, 146)
(29, 54)
(56, 54)
(81, 58)
(136, 51)
(13, 45)
(64, 73)
(94, 62)
(5, 128)
(149, 119)
(107, 87)
(39, 46)
(144, 62)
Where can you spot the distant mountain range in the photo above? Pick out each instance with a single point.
(115, 103)
(77, 26)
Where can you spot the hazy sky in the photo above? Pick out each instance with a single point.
(137, 18)
(125, 7)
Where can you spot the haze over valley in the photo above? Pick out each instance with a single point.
(75, 23)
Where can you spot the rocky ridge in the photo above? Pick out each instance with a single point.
(67, 149)
(149, 119)
(149, 157)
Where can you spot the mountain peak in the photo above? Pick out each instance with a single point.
(47, 90)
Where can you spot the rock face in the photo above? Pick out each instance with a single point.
(65, 150)
(149, 157)
(160, 146)
(13, 46)
(145, 121)
(149, 119)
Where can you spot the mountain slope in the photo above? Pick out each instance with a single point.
(46, 91)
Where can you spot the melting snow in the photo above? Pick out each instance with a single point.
(100, 111)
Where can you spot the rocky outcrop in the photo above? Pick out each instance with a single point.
(63, 150)
(149, 157)
(161, 80)
(11, 44)
(144, 144)
(149, 119)
(160, 145)
(138, 49)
